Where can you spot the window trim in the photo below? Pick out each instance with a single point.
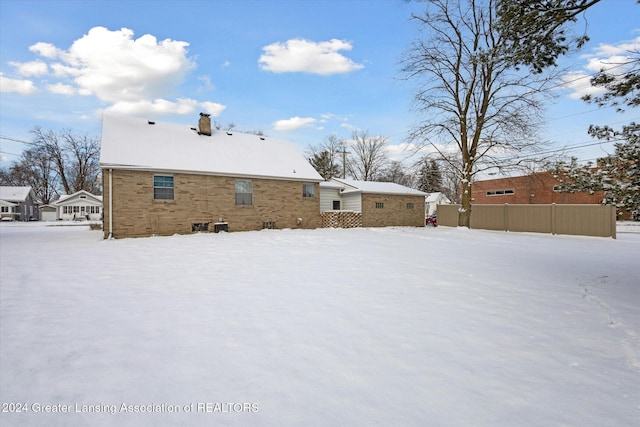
(157, 187)
(305, 193)
(237, 194)
(502, 192)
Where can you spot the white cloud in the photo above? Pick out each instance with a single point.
(213, 108)
(61, 89)
(614, 59)
(294, 123)
(300, 55)
(32, 68)
(133, 76)
(182, 106)
(46, 50)
(23, 87)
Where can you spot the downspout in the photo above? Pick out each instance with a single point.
(110, 204)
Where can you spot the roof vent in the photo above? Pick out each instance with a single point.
(151, 123)
(204, 124)
(229, 133)
(262, 138)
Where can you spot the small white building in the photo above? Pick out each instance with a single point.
(433, 200)
(81, 205)
(48, 212)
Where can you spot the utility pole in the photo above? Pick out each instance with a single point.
(344, 161)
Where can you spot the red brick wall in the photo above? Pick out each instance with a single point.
(531, 189)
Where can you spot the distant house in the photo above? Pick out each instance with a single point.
(80, 205)
(433, 200)
(537, 188)
(18, 203)
(48, 212)
(381, 204)
(161, 179)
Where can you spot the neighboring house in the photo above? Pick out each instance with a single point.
(48, 213)
(537, 188)
(19, 203)
(433, 200)
(80, 205)
(382, 204)
(161, 179)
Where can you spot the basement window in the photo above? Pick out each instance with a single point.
(379, 205)
(163, 187)
(410, 205)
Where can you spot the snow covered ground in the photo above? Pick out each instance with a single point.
(358, 327)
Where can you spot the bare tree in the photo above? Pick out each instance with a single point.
(399, 173)
(469, 93)
(82, 167)
(368, 158)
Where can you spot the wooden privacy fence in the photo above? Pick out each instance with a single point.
(583, 220)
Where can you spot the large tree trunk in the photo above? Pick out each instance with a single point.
(464, 213)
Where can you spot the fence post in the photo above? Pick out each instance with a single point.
(553, 218)
(612, 213)
(506, 217)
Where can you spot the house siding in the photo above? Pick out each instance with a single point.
(351, 202)
(394, 212)
(203, 199)
(327, 196)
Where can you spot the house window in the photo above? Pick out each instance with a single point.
(379, 205)
(163, 187)
(97, 209)
(336, 205)
(76, 209)
(500, 192)
(244, 192)
(557, 188)
(308, 190)
(83, 197)
(409, 205)
(5, 209)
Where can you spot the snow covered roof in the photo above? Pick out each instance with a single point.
(133, 143)
(6, 203)
(14, 194)
(377, 187)
(70, 198)
(436, 197)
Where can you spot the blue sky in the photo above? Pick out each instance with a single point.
(296, 70)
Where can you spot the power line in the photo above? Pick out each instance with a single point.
(16, 140)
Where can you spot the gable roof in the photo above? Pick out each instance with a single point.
(352, 185)
(133, 143)
(15, 194)
(66, 199)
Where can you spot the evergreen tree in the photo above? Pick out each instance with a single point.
(430, 177)
(324, 164)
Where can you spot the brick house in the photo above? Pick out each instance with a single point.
(537, 188)
(381, 204)
(162, 179)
